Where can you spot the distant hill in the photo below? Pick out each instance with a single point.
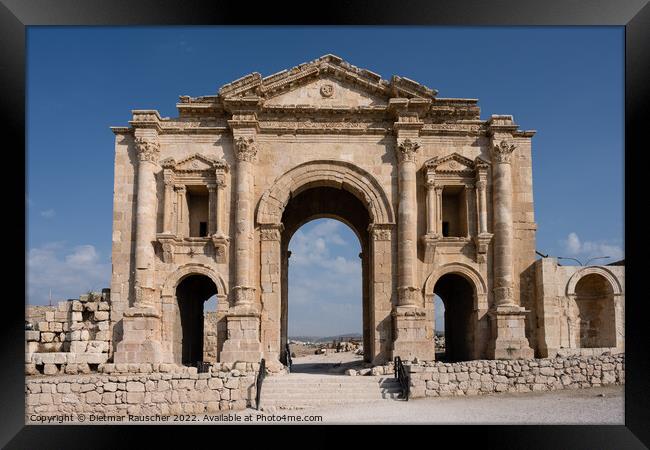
(344, 337)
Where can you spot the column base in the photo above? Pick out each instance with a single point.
(410, 332)
(243, 343)
(509, 334)
(141, 337)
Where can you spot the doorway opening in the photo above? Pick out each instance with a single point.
(325, 282)
(453, 306)
(596, 313)
(192, 294)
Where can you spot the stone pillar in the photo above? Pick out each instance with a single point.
(410, 324)
(469, 220)
(432, 209)
(245, 150)
(219, 206)
(145, 229)
(482, 208)
(181, 209)
(141, 342)
(212, 209)
(438, 190)
(408, 293)
(508, 319)
(243, 320)
(503, 227)
(168, 213)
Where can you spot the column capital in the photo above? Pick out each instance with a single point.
(179, 188)
(271, 232)
(502, 152)
(246, 148)
(148, 149)
(481, 185)
(438, 188)
(407, 150)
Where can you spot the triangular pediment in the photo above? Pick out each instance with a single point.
(194, 163)
(326, 80)
(453, 163)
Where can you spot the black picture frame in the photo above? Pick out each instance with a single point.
(634, 15)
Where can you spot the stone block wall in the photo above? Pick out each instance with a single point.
(143, 389)
(437, 379)
(75, 337)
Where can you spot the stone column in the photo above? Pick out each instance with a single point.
(212, 209)
(503, 227)
(141, 326)
(507, 318)
(469, 220)
(407, 224)
(438, 190)
(168, 209)
(219, 208)
(482, 208)
(181, 213)
(246, 151)
(432, 209)
(145, 230)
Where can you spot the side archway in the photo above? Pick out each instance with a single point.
(463, 292)
(183, 295)
(609, 276)
(465, 270)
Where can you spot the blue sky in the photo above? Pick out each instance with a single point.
(565, 82)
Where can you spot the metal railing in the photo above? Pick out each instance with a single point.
(289, 360)
(402, 377)
(260, 378)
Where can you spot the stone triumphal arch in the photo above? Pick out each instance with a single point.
(441, 200)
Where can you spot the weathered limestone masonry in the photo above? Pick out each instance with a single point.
(143, 389)
(436, 379)
(73, 338)
(441, 200)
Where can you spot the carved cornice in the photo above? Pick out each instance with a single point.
(148, 149)
(502, 153)
(246, 148)
(407, 150)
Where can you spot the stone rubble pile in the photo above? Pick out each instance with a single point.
(76, 337)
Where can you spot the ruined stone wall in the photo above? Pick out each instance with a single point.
(164, 389)
(436, 379)
(74, 337)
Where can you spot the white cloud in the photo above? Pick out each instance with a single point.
(586, 250)
(48, 214)
(324, 286)
(68, 272)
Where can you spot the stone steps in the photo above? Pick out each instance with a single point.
(299, 391)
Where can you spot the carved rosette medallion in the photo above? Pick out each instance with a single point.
(246, 149)
(406, 150)
(327, 90)
(148, 149)
(502, 153)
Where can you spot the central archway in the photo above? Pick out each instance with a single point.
(342, 191)
(326, 202)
